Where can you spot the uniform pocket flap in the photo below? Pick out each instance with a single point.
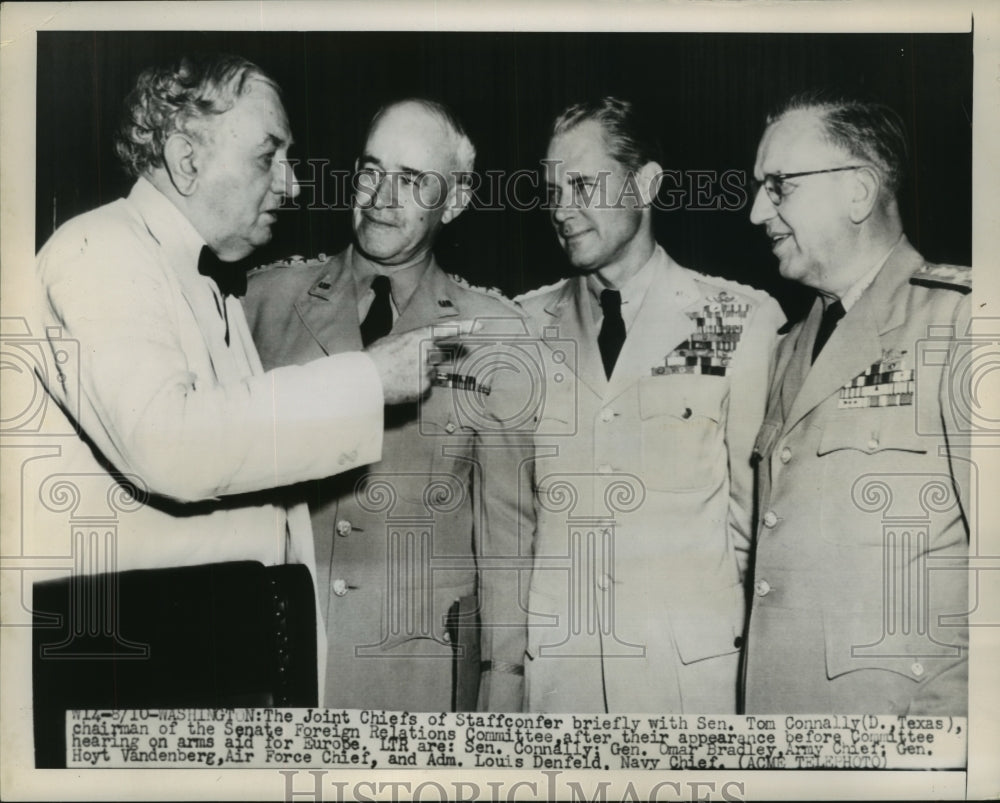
(420, 621)
(852, 644)
(552, 425)
(872, 431)
(682, 396)
(710, 635)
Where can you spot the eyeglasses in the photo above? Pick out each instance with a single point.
(774, 183)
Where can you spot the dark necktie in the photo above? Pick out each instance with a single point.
(831, 316)
(230, 277)
(612, 335)
(378, 321)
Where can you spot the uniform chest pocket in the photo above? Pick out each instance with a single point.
(681, 421)
(872, 430)
(432, 446)
(872, 464)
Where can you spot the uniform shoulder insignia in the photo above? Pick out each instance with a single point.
(726, 289)
(492, 292)
(293, 261)
(955, 277)
(540, 291)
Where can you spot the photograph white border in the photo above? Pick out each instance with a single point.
(20, 24)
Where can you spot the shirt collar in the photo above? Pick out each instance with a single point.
(404, 280)
(634, 290)
(635, 287)
(176, 235)
(858, 288)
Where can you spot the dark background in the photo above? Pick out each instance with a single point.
(708, 94)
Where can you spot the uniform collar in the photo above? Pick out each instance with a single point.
(667, 291)
(858, 288)
(632, 292)
(404, 280)
(435, 299)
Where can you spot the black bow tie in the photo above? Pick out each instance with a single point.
(231, 277)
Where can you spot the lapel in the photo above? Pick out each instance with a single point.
(435, 300)
(855, 344)
(180, 245)
(795, 360)
(571, 314)
(328, 308)
(661, 324)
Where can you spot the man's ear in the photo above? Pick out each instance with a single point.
(459, 195)
(866, 189)
(180, 160)
(649, 178)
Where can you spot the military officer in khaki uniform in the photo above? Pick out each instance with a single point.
(397, 542)
(655, 391)
(859, 591)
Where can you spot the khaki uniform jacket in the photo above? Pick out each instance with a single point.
(398, 542)
(859, 594)
(643, 496)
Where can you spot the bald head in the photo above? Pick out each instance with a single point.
(426, 113)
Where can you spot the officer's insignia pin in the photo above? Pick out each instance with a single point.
(445, 302)
(442, 379)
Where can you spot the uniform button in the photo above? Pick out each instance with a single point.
(873, 444)
(738, 642)
(917, 668)
(686, 413)
(786, 455)
(607, 415)
(449, 427)
(762, 588)
(604, 468)
(343, 528)
(446, 637)
(770, 518)
(340, 587)
(604, 582)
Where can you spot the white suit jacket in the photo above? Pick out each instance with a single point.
(162, 402)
